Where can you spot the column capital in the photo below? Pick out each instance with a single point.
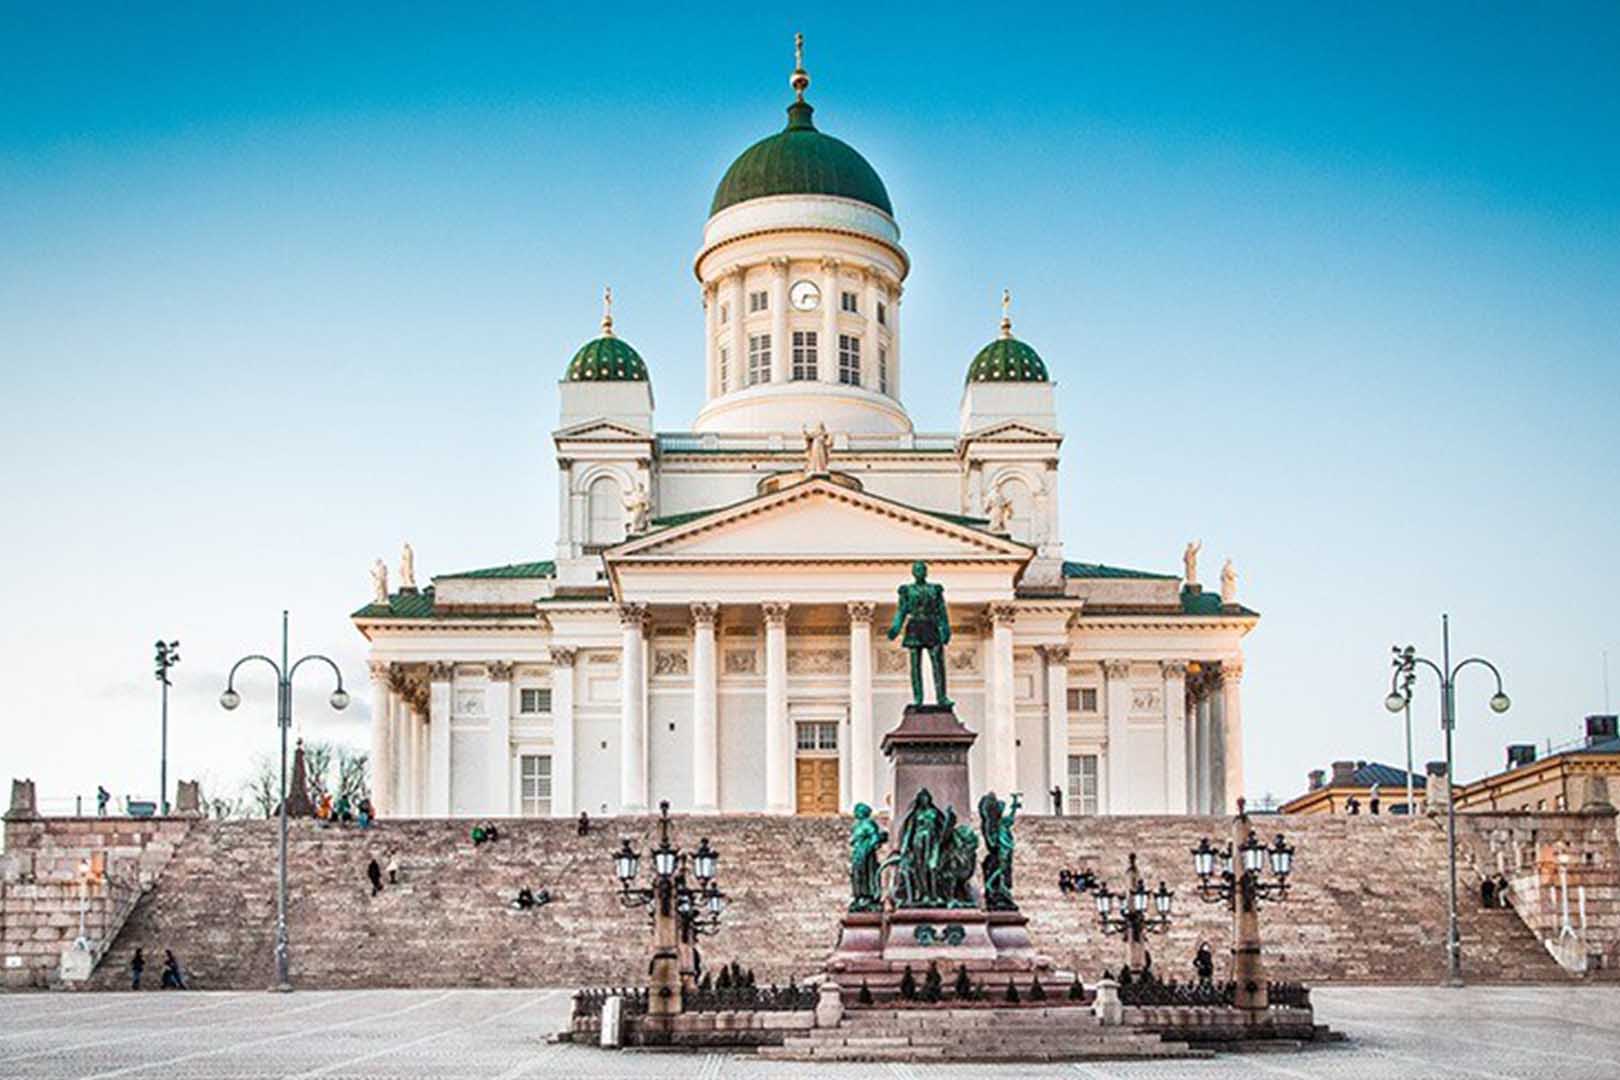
(565, 463)
(776, 612)
(632, 615)
(830, 265)
(441, 671)
(380, 670)
(1231, 671)
(860, 610)
(779, 265)
(1002, 611)
(704, 613)
(563, 656)
(1173, 669)
(398, 681)
(1055, 654)
(1116, 669)
(500, 670)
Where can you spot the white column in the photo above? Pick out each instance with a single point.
(827, 360)
(632, 711)
(381, 750)
(739, 333)
(778, 745)
(869, 331)
(1232, 714)
(399, 734)
(1118, 676)
(894, 342)
(711, 365)
(781, 352)
(1057, 718)
(705, 722)
(439, 675)
(1001, 758)
(1202, 722)
(862, 740)
(499, 773)
(562, 731)
(1175, 736)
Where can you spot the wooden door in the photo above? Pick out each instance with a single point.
(816, 785)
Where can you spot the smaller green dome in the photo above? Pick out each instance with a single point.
(606, 359)
(1007, 359)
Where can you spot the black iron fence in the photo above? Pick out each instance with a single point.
(588, 1003)
(751, 999)
(1281, 995)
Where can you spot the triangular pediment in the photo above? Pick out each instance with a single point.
(820, 520)
(601, 430)
(1011, 431)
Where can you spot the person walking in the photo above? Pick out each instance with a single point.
(172, 978)
(103, 797)
(393, 869)
(374, 873)
(137, 964)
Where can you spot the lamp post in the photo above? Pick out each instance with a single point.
(680, 913)
(168, 655)
(1400, 698)
(1127, 914)
(230, 699)
(1240, 885)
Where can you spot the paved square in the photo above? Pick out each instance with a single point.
(1413, 1033)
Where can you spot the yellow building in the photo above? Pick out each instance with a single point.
(1356, 787)
(1568, 778)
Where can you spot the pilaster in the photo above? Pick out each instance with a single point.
(499, 707)
(827, 360)
(1001, 759)
(705, 726)
(440, 675)
(563, 736)
(781, 351)
(1232, 734)
(633, 710)
(778, 744)
(1056, 658)
(382, 747)
(1175, 735)
(862, 739)
(1117, 674)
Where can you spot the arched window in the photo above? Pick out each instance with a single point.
(606, 507)
(1021, 518)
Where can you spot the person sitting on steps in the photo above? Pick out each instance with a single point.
(485, 833)
(374, 874)
(528, 900)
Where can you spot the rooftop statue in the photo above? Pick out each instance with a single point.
(817, 450)
(379, 582)
(1228, 583)
(926, 621)
(996, 822)
(407, 568)
(1189, 561)
(866, 839)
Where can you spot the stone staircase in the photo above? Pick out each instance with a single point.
(979, 1035)
(1368, 905)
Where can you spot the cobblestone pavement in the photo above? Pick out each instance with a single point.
(1492, 1033)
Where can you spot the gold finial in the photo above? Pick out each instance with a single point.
(800, 79)
(1006, 319)
(607, 311)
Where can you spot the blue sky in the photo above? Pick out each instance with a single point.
(1332, 289)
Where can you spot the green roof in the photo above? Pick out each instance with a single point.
(1007, 359)
(1099, 570)
(606, 359)
(544, 569)
(799, 160)
(401, 605)
(1208, 603)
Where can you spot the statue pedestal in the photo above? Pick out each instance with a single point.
(876, 947)
(929, 749)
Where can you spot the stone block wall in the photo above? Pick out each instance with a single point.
(1368, 903)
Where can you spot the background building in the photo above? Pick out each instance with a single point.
(1573, 777)
(1332, 792)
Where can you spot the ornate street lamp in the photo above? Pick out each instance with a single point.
(1132, 914)
(1242, 885)
(229, 700)
(1400, 698)
(168, 655)
(680, 913)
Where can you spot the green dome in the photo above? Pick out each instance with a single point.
(607, 359)
(800, 160)
(1007, 359)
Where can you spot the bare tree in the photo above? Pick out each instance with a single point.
(318, 761)
(261, 792)
(354, 769)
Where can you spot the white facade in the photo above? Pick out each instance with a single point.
(727, 651)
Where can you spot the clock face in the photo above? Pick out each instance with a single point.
(804, 295)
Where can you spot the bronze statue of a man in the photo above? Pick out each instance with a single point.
(923, 615)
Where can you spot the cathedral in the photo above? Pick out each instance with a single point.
(712, 627)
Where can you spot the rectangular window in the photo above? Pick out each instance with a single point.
(759, 301)
(534, 699)
(759, 358)
(1083, 699)
(883, 370)
(725, 369)
(849, 360)
(847, 302)
(804, 355)
(883, 313)
(817, 736)
(534, 771)
(1082, 797)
